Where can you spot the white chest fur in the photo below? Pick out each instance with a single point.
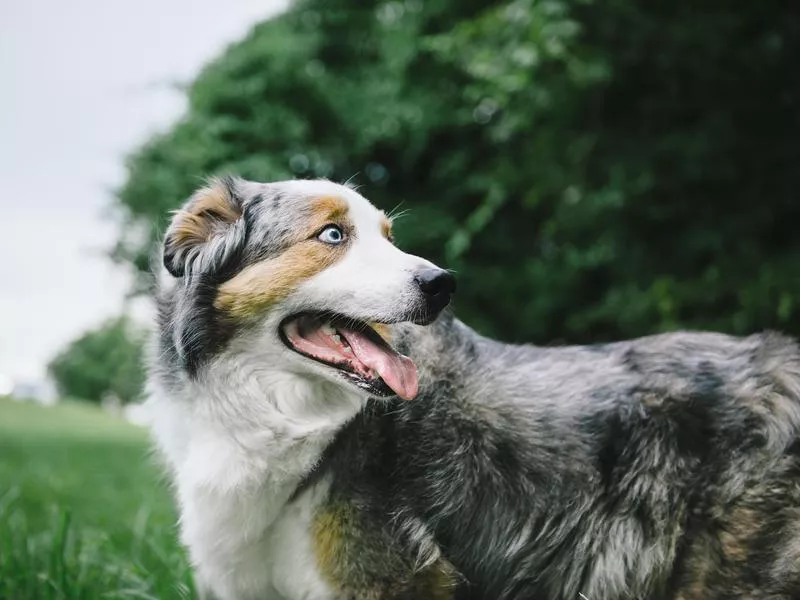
(236, 459)
(239, 556)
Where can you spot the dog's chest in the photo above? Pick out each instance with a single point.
(295, 572)
(239, 556)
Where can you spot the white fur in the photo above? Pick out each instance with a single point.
(240, 437)
(238, 443)
(374, 278)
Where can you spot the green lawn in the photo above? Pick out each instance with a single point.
(84, 512)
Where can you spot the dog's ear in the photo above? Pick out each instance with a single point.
(207, 231)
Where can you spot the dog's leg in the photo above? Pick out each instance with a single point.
(363, 562)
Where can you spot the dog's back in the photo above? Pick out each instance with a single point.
(666, 467)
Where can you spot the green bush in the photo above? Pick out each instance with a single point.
(101, 362)
(591, 170)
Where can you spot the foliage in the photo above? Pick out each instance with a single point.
(83, 513)
(103, 362)
(590, 169)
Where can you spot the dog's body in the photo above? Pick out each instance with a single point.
(663, 468)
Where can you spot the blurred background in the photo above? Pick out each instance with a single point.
(591, 170)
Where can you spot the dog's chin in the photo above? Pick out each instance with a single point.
(351, 351)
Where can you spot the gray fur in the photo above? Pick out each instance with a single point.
(610, 471)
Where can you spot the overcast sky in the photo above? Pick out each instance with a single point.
(83, 82)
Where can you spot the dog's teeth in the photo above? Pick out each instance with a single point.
(327, 329)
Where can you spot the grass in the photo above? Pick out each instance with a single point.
(84, 512)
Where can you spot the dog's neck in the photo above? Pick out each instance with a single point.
(240, 441)
(254, 425)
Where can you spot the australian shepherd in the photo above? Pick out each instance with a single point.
(333, 432)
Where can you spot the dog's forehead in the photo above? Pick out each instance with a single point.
(296, 196)
(362, 212)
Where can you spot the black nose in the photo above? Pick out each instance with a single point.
(437, 287)
(436, 284)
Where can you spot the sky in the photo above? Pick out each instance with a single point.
(84, 83)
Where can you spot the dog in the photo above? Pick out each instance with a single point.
(334, 432)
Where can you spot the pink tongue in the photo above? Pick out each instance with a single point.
(397, 371)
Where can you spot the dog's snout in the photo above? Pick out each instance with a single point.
(437, 287)
(435, 282)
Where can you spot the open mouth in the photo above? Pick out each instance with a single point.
(353, 348)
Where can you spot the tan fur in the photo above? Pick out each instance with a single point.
(362, 562)
(331, 209)
(195, 223)
(330, 532)
(382, 330)
(728, 551)
(742, 525)
(261, 285)
(386, 227)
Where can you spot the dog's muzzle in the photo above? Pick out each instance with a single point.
(437, 287)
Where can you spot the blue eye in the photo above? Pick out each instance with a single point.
(332, 234)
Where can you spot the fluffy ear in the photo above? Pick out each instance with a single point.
(207, 230)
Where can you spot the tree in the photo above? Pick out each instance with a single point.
(106, 360)
(590, 170)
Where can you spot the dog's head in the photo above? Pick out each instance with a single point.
(304, 270)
